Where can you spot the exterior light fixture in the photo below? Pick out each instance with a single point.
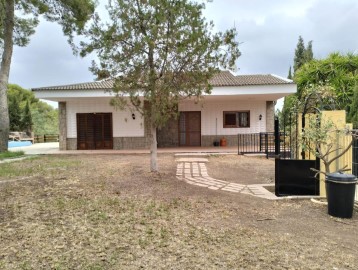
(260, 117)
(133, 116)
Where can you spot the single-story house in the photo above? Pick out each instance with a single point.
(237, 104)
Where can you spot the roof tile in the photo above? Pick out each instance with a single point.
(224, 78)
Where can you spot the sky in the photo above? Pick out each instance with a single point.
(267, 30)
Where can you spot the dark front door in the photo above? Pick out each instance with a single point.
(190, 129)
(94, 131)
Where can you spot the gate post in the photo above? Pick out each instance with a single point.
(277, 137)
(355, 156)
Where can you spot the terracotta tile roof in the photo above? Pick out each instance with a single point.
(99, 85)
(224, 78)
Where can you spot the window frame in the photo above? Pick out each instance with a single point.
(237, 116)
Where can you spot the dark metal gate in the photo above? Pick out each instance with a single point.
(293, 176)
(293, 167)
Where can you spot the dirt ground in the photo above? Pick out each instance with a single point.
(110, 212)
(241, 169)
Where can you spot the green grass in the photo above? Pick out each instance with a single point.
(45, 166)
(8, 154)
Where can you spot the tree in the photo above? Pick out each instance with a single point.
(302, 55)
(15, 114)
(338, 71)
(353, 114)
(26, 121)
(299, 58)
(14, 30)
(308, 52)
(158, 52)
(44, 118)
(289, 74)
(320, 138)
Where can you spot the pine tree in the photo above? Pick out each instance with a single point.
(299, 58)
(309, 52)
(164, 51)
(15, 114)
(16, 29)
(289, 74)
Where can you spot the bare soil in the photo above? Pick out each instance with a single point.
(242, 169)
(110, 212)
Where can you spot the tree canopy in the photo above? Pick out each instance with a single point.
(337, 70)
(158, 52)
(303, 54)
(27, 112)
(17, 27)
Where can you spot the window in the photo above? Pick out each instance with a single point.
(237, 119)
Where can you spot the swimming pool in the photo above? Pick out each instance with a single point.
(12, 144)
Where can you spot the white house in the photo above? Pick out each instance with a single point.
(237, 104)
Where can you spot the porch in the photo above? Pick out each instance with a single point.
(53, 148)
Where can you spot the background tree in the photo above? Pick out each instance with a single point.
(26, 120)
(299, 58)
(338, 71)
(308, 52)
(289, 73)
(353, 114)
(302, 55)
(14, 30)
(158, 52)
(15, 114)
(44, 118)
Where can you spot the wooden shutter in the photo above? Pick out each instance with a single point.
(94, 131)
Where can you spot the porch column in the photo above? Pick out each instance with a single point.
(270, 116)
(62, 125)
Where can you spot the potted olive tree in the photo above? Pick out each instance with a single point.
(328, 140)
(329, 144)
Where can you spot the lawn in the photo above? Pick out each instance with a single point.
(8, 154)
(109, 212)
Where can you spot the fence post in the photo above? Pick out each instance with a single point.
(238, 144)
(44, 138)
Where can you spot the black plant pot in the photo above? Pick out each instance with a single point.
(216, 143)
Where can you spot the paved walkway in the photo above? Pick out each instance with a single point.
(193, 171)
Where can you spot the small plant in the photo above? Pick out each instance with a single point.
(325, 141)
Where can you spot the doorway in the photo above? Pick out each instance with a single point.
(190, 129)
(94, 131)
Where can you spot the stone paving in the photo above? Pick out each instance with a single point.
(193, 171)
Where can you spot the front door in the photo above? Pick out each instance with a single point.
(190, 129)
(94, 131)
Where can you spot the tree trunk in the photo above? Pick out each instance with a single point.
(153, 149)
(4, 73)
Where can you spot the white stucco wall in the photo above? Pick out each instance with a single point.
(123, 124)
(213, 110)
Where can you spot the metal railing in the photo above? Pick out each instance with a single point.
(264, 143)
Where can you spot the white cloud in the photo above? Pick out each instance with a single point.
(269, 31)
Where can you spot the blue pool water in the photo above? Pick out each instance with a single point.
(18, 144)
